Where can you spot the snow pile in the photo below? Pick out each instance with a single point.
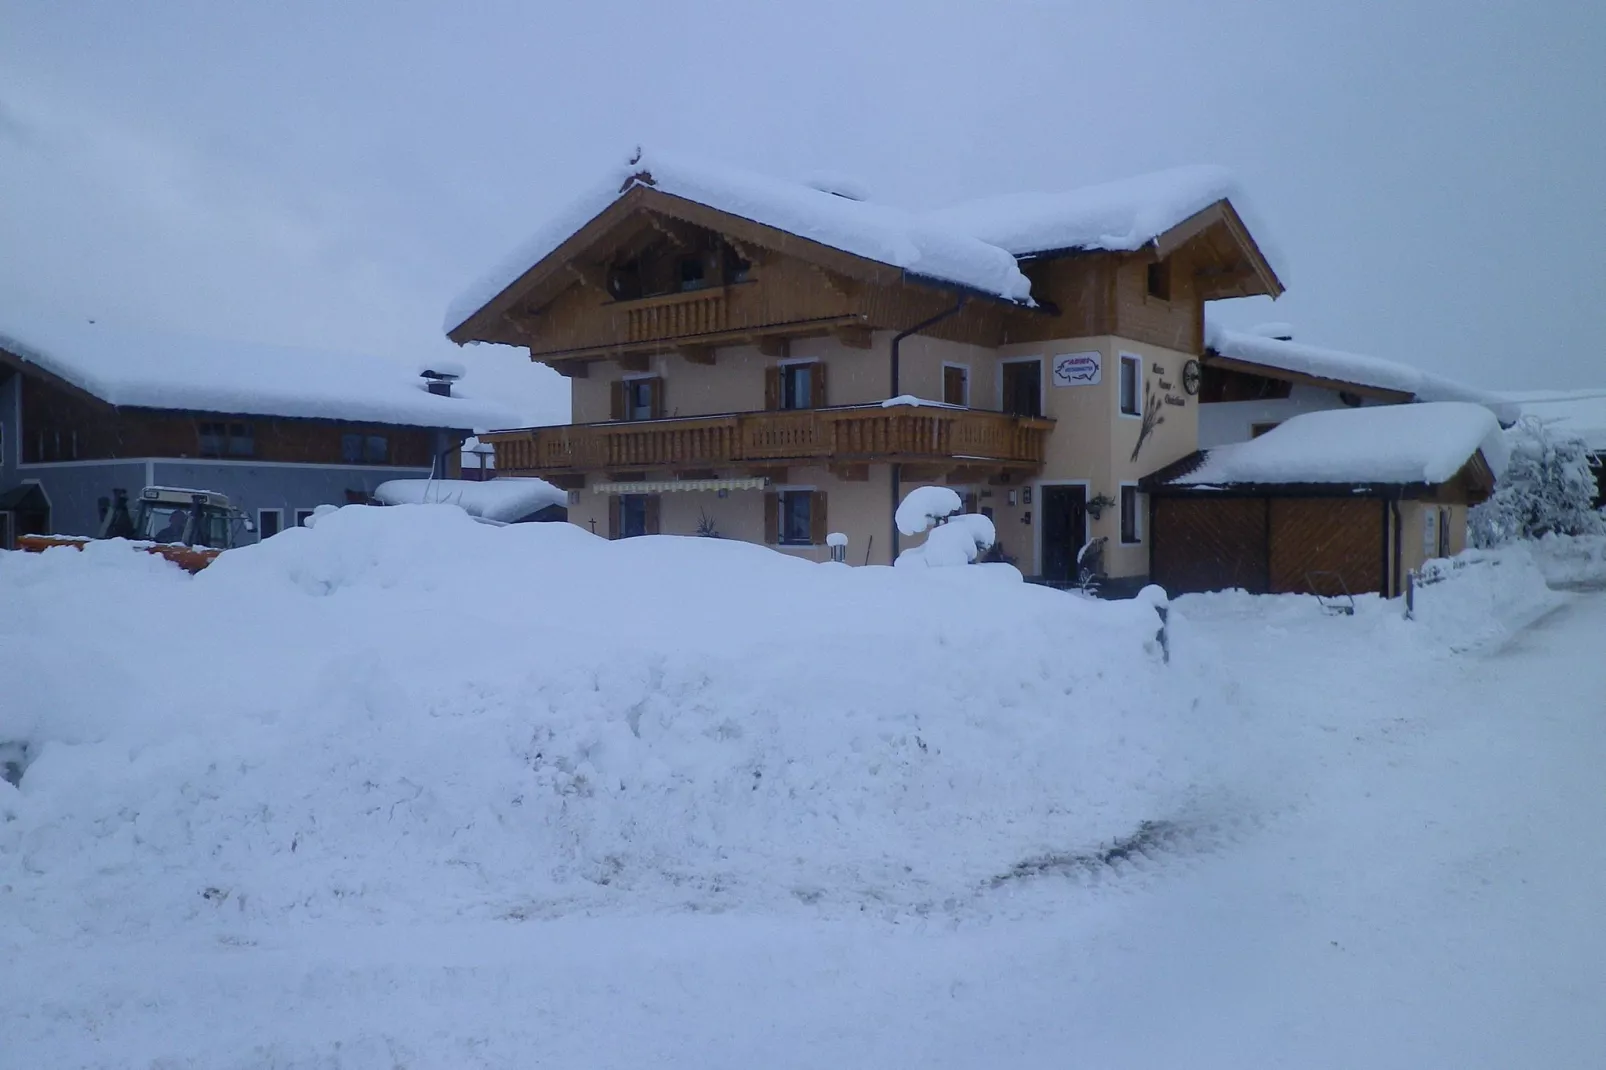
(894, 738)
(1481, 597)
(1426, 443)
(506, 500)
(1571, 560)
(143, 369)
(1256, 347)
(958, 541)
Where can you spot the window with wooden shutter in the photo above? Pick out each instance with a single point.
(655, 389)
(653, 514)
(817, 522)
(970, 503)
(817, 385)
(615, 516)
(616, 403)
(772, 389)
(955, 385)
(772, 514)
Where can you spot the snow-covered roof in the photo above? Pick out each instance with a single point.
(973, 244)
(128, 367)
(1427, 443)
(1343, 367)
(1581, 415)
(505, 500)
(1119, 216)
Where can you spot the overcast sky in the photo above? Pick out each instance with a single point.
(1433, 174)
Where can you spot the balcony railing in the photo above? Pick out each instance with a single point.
(860, 433)
(676, 316)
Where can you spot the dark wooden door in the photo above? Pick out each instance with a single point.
(1209, 544)
(1063, 512)
(1342, 536)
(1023, 388)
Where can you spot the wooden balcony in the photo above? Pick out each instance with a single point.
(676, 316)
(857, 434)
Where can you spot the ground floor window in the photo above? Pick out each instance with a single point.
(302, 516)
(1131, 526)
(269, 521)
(633, 515)
(1256, 430)
(794, 518)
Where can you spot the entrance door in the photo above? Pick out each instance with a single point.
(1064, 518)
(1023, 388)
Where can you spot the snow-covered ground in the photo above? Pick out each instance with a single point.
(760, 812)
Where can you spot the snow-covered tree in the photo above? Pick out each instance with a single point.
(1547, 487)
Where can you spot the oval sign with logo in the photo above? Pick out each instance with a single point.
(1077, 369)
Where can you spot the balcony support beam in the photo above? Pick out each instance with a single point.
(697, 354)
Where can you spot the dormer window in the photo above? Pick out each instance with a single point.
(1160, 280)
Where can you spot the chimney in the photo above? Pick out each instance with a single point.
(439, 382)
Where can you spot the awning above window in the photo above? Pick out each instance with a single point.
(669, 486)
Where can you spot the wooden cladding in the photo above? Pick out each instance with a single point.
(676, 316)
(863, 433)
(1268, 545)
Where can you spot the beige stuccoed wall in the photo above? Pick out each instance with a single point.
(1413, 520)
(921, 361)
(1092, 443)
(735, 381)
(861, 510)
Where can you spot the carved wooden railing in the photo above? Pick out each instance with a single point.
(676, 316)
(853, 433)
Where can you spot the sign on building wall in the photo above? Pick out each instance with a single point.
(1077, 369)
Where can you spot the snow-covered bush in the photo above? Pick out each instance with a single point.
(925, 506)
(1547, 488)
(955, 538)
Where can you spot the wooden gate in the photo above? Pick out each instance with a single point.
(1209, 544)
(1335, 535)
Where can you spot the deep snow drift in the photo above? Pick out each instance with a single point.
(402, 713)
(403, 790)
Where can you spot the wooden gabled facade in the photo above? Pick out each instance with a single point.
(708, 349)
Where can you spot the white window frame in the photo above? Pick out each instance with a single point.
(963, 367)
(307, 513)
(1137, 515)
(263, 512)
(1137, 386)
(1042, 379)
